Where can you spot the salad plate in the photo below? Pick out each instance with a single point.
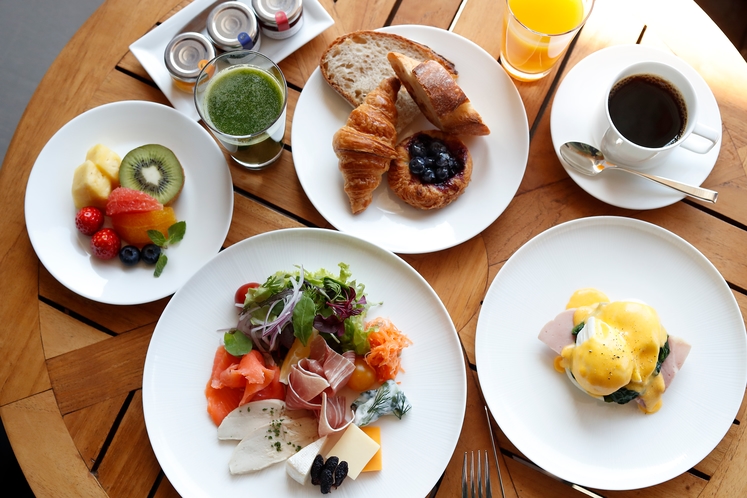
(179, 360)
(578, 115)
(565, 431)
(148, 50)
(499, 158)
(205, 203)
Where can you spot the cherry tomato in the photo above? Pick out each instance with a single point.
(241, 292)
(363, 377)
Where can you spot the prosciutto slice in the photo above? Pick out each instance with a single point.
(314, 381)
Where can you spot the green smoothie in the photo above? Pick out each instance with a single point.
(243, 100)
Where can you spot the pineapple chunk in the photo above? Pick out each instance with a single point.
(90, 186)
(107, 161)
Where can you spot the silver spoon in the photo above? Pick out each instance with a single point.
(590, 161)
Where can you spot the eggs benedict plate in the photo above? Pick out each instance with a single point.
(617, 351)
(660, 291)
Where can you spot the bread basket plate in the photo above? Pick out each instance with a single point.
(499, 158)
(205, 203)
(180, 356)
(570, 434)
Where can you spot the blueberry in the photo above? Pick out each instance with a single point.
(442, 173)
(428, 176)
(442, 160)
(150, 254)
(438, 148)
(417, 149)
(129, 255)
(417, 165)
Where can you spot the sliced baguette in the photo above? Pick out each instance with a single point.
(355, 63)
(437, 95)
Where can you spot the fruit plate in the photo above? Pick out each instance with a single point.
(499, 158)
(180, 357)
(205, 203)
(565, 431)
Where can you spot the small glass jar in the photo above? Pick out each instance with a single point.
(279, 19)
(185, 56)
(233, 26)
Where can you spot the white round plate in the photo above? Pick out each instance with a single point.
(499, 158)
(206, 201)
(180, 356)
(578, 115)
(570, 434)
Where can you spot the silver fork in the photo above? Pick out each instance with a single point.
(468, 491)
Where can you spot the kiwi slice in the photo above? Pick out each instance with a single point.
(153, 169)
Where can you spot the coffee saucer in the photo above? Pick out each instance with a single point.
(578, 115)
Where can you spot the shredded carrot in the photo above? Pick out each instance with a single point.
(387, 343)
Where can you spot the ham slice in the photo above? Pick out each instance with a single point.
(678, 351)
(313, 383)
(557, 332)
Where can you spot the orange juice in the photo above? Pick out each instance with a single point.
(537, 32)
(551, 17)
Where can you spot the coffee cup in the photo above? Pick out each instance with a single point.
(651, 109)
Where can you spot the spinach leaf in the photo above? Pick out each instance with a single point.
(236, 343)
(577, 329)
(621, 396)
(303, 318)
(663, 353)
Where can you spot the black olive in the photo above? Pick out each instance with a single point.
(316, 469)
(326, 480)
(341, 472)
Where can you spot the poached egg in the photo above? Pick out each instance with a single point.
(616, 349)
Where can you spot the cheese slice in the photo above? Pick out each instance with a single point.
(356, 448)
(374, 433)
(299, 465)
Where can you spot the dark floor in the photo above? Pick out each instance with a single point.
(730, 15)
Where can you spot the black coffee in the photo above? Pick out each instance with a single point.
(648, 110)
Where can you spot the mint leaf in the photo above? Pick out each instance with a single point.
(177, 231)
(303, 318)
(157, 238)
(160, 264)
(236, 343)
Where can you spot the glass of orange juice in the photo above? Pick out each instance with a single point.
(537, 32)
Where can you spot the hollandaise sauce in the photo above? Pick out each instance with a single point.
(619, 349)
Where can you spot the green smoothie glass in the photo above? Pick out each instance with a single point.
(241, 96)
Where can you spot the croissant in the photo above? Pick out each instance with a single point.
(365, 145)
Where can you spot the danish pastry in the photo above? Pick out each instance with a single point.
(431, 169)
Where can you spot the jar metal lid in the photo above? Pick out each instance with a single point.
(233, 26)
(278, 15)
(184, 53)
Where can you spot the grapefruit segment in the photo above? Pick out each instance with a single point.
(126, 200)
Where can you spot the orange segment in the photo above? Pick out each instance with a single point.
(133, 227)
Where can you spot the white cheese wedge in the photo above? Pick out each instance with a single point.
(272, 443)
(354, 447)
(298, 466)
(247, 418)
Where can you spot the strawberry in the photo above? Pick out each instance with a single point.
(89, 220)
(105, 244)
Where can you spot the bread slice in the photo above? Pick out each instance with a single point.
(354, 64)
(437, 95)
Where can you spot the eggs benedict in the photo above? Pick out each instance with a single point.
(614, 350)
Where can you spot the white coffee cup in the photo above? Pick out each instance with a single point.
(693, 136)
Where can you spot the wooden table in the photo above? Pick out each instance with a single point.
(70, 379)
